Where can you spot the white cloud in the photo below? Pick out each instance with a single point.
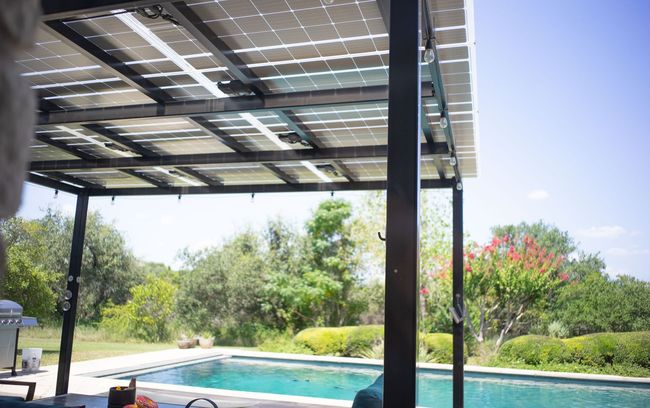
(614, 272)
(167, 220)
(627, 251)
(538, 194)
(605, 231)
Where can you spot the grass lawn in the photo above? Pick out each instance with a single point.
(89, 344)
(85, 349)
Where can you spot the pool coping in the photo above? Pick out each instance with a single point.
(217, 353)
(469, 369)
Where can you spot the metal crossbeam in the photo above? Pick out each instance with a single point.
(125, 142)
(281, 174)
(60, 176)
(335, 153)
(208, 39)
(81, 44)
(145, 177)
(48, 182)
(63, 146)
(273, 102)
(223, 137)
(210, 181)
(264, 188)
(64, 9)
(439, 89)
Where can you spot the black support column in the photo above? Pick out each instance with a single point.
(71, 295)
(457, 289)
(403, 195)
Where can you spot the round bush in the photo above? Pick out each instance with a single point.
(600, 349)
(440, 347)
(362, 339)
(596, 349)
(633, 348)
(339, 341)
(532, 349)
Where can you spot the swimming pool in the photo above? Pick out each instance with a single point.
(342, 381)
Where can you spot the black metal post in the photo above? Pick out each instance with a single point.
(403, 195)
(72, 291)
(457, 289)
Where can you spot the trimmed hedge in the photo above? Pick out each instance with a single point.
(598, 349)
(440, 347)
(534, 350)
(340, 341)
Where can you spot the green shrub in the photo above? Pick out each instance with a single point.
(440, 347)
(324, 340)
(633, 348)
(362, 339)
(340, 341)
(596, 350)
(533, 349)
(283, 343)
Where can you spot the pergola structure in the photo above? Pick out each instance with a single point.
(253, 96)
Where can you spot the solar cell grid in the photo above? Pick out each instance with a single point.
(291, 45)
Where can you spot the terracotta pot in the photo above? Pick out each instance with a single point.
(206, 342)
(185, 344)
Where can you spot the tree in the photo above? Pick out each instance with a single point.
(148, 315)
(222, 289)
(547, 236)
(28, 284)
(598, 304)
(503, 279)
(332, 262)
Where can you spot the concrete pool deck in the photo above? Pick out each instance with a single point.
(93, 377)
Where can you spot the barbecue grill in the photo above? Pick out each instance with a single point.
(11, 321)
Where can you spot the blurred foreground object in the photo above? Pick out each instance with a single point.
(18, 20)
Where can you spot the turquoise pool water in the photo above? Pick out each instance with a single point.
(434, 388)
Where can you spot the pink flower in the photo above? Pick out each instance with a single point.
(424, 291)
(468, 268)
(564, 277)
(471, 255)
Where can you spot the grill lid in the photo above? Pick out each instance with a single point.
(10, 308)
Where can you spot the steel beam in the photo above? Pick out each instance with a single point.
(261, 188)
(281, 174)
(458, 297)
(48, 182)
(402, 208)
(438, 86)
(63, 146)
(72, 293)
(211, 41)
(210, 181)
(273, 102)
(223, 137)
(65, 9)
(273, 156)
(60, 176)
(87, 48)
(145, 177)
(123, 141)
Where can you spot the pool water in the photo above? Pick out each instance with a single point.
(434, 390)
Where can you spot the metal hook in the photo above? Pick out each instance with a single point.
(380, 237)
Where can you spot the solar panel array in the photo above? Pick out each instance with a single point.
(288, 45)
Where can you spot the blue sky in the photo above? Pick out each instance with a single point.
(564, 137)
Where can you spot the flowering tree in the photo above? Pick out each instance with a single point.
(503, 279)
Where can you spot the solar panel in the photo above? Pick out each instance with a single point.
(279, 47)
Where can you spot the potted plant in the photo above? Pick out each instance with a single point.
(185, 343)
(206, 340)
